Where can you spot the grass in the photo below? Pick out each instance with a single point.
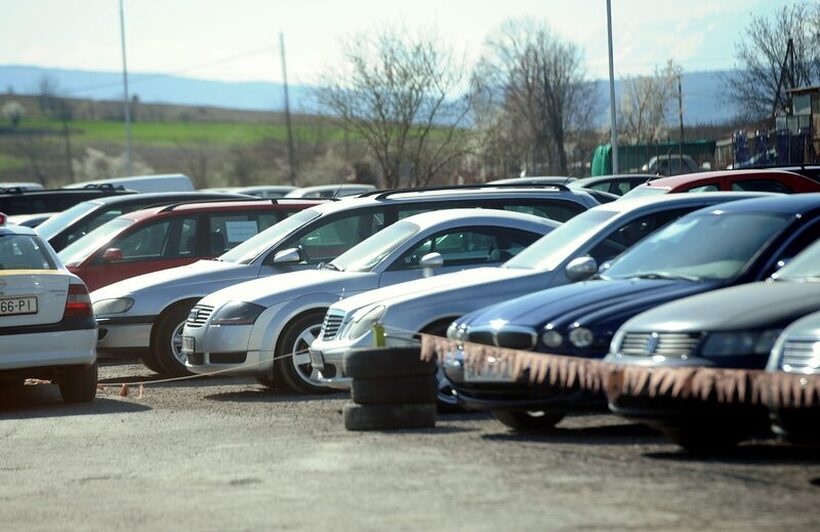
(8, 162)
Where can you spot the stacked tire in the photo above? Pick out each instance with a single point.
(392, 389)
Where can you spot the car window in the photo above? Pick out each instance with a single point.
(23, 252)
(603, 186)
(186, 244)
(92, 222)
(462, 247)
(761, 185)
(145, 243)
(623, 186)
(560, 211)
(807, 236)
(336, 235)
(704, 188)
(632, 232)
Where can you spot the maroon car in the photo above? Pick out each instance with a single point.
(174, 235)
(738, 180)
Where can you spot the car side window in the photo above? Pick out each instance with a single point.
(558, 210)
(629, 234)
(603, 186)
(228, 230)
(623, 186)
(464, 247)
(145, 243)
(335, 236)
(705, 188)
(186, 244)
(798, 243)
(761, 185)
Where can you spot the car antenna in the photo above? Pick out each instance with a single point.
(338, 190)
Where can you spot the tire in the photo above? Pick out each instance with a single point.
(79, 385)
(151, 363)
(703, 440)
(385, 362)
(528, 420)
(166, 345)
(387, 417)
(296, 371)
(406, 390)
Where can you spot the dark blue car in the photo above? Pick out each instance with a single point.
(712, 248)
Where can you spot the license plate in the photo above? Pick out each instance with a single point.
(12, 306)
(188, 343)
(316, 359)
(488, 369)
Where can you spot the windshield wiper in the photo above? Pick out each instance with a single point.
(330, 266)
(664, 275)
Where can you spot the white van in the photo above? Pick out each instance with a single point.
(143, 183)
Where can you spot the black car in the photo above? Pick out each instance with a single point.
(64, 228)
(716, 247)
(16, 201)
(732, 328)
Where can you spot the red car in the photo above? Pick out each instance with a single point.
(174, 235)
(738, 180)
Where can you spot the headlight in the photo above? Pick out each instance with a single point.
(581, 337)
(113, 306)
(740, 343)
(457, 332)
(237, 313)
(364, 319)
(552, 338)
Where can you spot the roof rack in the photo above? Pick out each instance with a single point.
(382, 194)
(172, 206)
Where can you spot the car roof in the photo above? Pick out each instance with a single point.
(163, 196)
(778, 203)
(17, 230)
(629, 204)
(584, 181)
(431, 218)
(692, 179)
(220, 206)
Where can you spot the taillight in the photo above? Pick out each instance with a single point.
(78, 303)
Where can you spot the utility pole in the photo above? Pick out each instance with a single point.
(129, 169)
(291, 170)
(680, 120)
(613, 121)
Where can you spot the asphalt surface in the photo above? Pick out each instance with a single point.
(224, 454)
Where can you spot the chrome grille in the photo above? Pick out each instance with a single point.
(664, 344)
(481, 337)
(801, 355)
(511, 337)
(331, 325)
(199, 315)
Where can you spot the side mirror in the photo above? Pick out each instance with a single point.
(112, 255)
(287, 256)
(581, 268)
(430, 262)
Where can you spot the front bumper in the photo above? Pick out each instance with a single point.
(124, 337)
(225, 348)
(48, 349)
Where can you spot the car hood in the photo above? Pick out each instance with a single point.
(450, 282)
(588, 303)
(199, 273)
(749, 306)
(267, 291)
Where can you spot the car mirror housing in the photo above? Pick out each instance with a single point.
(287, 256)
(430, 262)
(581, 268)
(112, 255)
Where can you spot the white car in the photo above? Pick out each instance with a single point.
(246, 325)
(570, 253)
(46, 321)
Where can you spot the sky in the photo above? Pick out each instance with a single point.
(237, 40)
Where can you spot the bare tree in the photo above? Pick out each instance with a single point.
(400, 94)
(48, 99)
(536, 82)
(645, 103)
(761, 53)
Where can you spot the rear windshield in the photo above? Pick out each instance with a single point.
(52, 227)
(24, 252)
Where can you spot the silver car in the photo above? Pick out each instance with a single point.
(143, 316)
(570, 253)
(247, 326)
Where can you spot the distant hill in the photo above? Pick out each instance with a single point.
(701, 91)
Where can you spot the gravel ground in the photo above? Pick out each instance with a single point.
(225, 454)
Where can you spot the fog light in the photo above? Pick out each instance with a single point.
(581, 337)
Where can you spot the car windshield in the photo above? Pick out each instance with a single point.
(81, 249)
(712, 245)
(23, 252)
(248, 250)
(366, 255)
(55, 224)
(549, 251)
(805, 267)
(643, 192)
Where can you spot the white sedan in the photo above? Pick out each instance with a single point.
(46, 322)
(246, 326)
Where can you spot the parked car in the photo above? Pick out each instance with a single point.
(10, 186)
(144, 315)
(29, 220)
(715, 247)
(565, 255)
(330, 191)
(732, 328)
(738, 180)
(143, 183)
(797, 351)
(46, 321)
(279, 319)
(265, 191)
(173, 235)
(614, 184)
(672, 164)
(534, 180)
(70, 225)
(52, 200)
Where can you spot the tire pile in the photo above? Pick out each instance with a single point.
(392, 389)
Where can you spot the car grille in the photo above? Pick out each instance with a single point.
(664, 344)
(511, 339)
(203, 312)
(331, 325)
(801, 356)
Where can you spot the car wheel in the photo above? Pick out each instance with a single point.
(151, 363)
(292, 362)
(167, 345)
(79, 385)
(703, 440)
(528, 420)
